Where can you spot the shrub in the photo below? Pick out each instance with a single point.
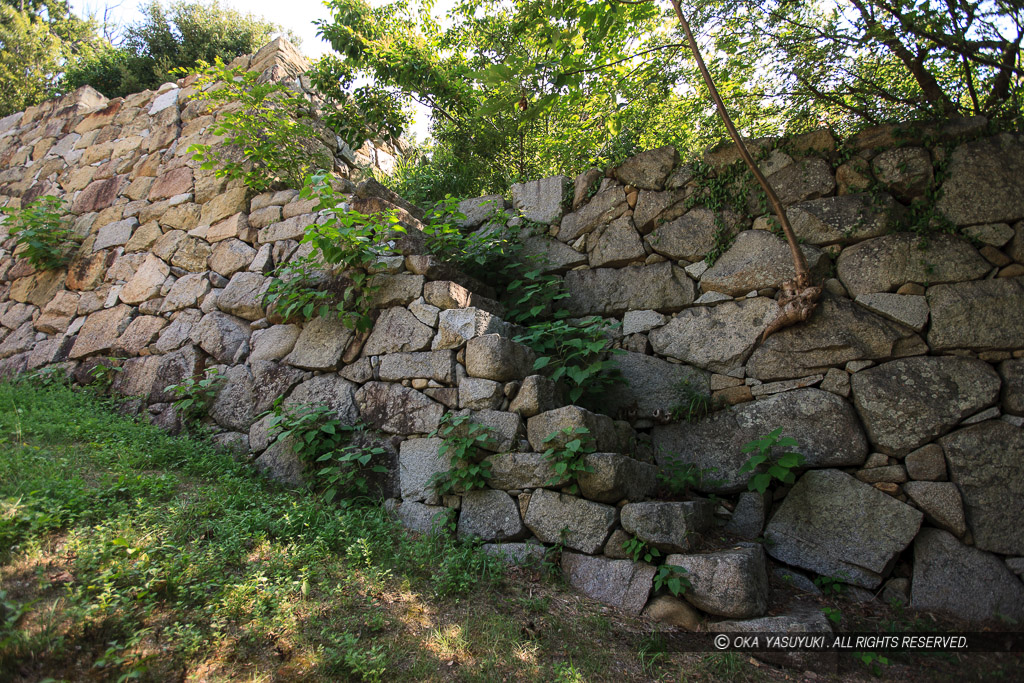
(781, 469)
(41, 230)
(463, 446)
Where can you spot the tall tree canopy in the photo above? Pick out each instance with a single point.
(179, 35)
(528, 87)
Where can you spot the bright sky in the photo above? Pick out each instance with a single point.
(297, 15)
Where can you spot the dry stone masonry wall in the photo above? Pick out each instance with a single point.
(904, 391)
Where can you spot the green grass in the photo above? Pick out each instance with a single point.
(129, 554)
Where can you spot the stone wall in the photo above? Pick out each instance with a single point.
(905, 391)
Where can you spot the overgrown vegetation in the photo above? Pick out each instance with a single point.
(766, 467)
(464, 444)
(269, 140)
(567, 456)
(195, 395)
(42, 232)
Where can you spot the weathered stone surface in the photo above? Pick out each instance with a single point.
(144, 237)
(236, 226)
(497, 358)
(728, 583)
(37, 289)
(87, 273)
(186, 292)
(984, 184)
(623, 584)
(807, 179)
(521, 471)
(907, 309)
(601, 429)
(330, 391)
(490, 515)
(613, 291)
(906, 403)
(146, 282)
(320, 345)
(137, 376)
(691, 236)
(542, 200)
(231, 256)
(223, 205)
(718, 338)
(396, 409)
(982, 315)
(552, 255)
(55, 317)
(588, 523)
(907, 171)
(673, 611)
(669, 527)
(223, 336)
(174, 182)
(927, 463)
(456, 326)
(747, 520)
(843, 220)
(174, 368)
(838, 331)
(423, 519)
(243, 297)
(435, 365)
(654, 208)
(478, 394)
(19, 341)
(114, 234)
(274, 343)
(614, 245)
(139, 334)
(634, 322)
(941, 504)
(504, 428)
(648, 170)
(961, 581)
(652, 386)
(192, 254)
(281, 463)
(479, 210)
(835, 525)
(603, 207)
(397, 330)
(886, 263)
(419, 461)
(399, 289)
(101, 330)
(985, 462)
(715, 443)
(1012, 372)
(613, 477)
(756, 260)
(291, 229)
(537, 394)
(98, 195)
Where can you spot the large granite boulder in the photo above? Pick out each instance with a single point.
(837, 526)
(985, 182)
(715, 444)
(672, 527)
(491, 516)
(908, 402)
(613, 291)
(652, 385)
(886, 263)
(622, 584)
(320, 345)
(839, 331)
(986, 463)
(718, 338)
(757, 260)
(981, 315)
(586, 524)
(727, 583)
(846, 219)
(962, 581)
(396, 409)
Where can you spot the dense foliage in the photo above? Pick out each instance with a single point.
(535, 87)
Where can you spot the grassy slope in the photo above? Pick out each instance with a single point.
(125, 552)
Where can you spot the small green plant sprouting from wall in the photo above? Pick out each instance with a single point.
(335, 279)
(679, 477)
(638, 550)
(693, 403)
(782, 469)
(320, 439)
(463, 445)
(41, 230)
(673, 577)
(578, 352)
(568, 460)
(269, 138)
(196, 395)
